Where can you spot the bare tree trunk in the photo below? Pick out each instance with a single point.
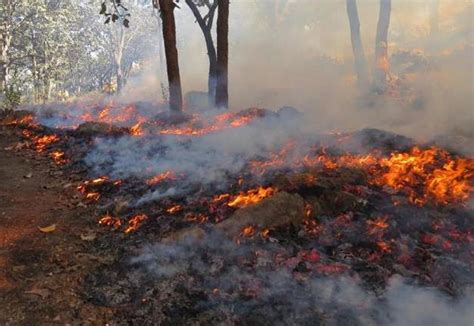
(357, 48)
(161, 55)
(212, 79)
(5, 42)
(222, 92)
(205, 23)
(118, 60)
(4, 62)
(381, 54)
(172, 63)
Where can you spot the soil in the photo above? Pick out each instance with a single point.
(41, 272)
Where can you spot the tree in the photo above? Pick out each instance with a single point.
(222, 92)
(13, 16)
(360, 61)
(381, 65)
(171, 52)
(205, 23)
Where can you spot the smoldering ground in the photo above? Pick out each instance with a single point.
(244, 283)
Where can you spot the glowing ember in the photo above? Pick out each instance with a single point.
(265, 233)
(383, 246)
(196, 218)
(377, 225)
(99, 180)
(108, 220)
(247, 231)
(135, 222)
(136, 129)
(58, 157)
(95, 196)
(174, 209)
(168, 175)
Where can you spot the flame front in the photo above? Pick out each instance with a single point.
(246, 198)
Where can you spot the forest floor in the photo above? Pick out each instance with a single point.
(41, 270)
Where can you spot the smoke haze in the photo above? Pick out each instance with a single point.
(302, 57)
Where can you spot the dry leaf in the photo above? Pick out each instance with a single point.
(48, 229)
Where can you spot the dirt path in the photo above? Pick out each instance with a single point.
(41, 272)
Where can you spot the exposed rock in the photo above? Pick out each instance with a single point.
(280, 209)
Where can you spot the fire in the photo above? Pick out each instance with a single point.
(108, 220)
(42, 142)
(135, 222)
(265, 233)
(249, 197)
(438, 176)
(26, 120)
(198, 127)
(95, 196)
(82, 188)
(383, 246)
(99, 180)
(136, 129)
(196, 218)
(247, 231)
(174, 209)
(58, 157)
(168, 175)
(377, 225)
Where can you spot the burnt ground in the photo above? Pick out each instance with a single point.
(80, 273)
(41, 272)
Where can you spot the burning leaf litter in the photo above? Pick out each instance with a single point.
(288, 203)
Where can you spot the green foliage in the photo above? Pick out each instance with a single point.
(12, 98)
(63, 47)
(118, 12)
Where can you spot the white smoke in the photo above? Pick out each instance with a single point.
(282, 299)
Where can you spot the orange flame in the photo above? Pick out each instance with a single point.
(168, 175)
(95, 196)
(249, 197)
(108, 220)
(58, 157)
(247, 231)
(174, 209)
(135, 222)
(420, 169)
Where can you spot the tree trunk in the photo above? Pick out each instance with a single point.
(118, 60)
(381, 55)
(172, 64)
(222, 92)
(4, 63)
(5, 42)
(206, 28)
(212, 79)
(360, 61)
(161, 55)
